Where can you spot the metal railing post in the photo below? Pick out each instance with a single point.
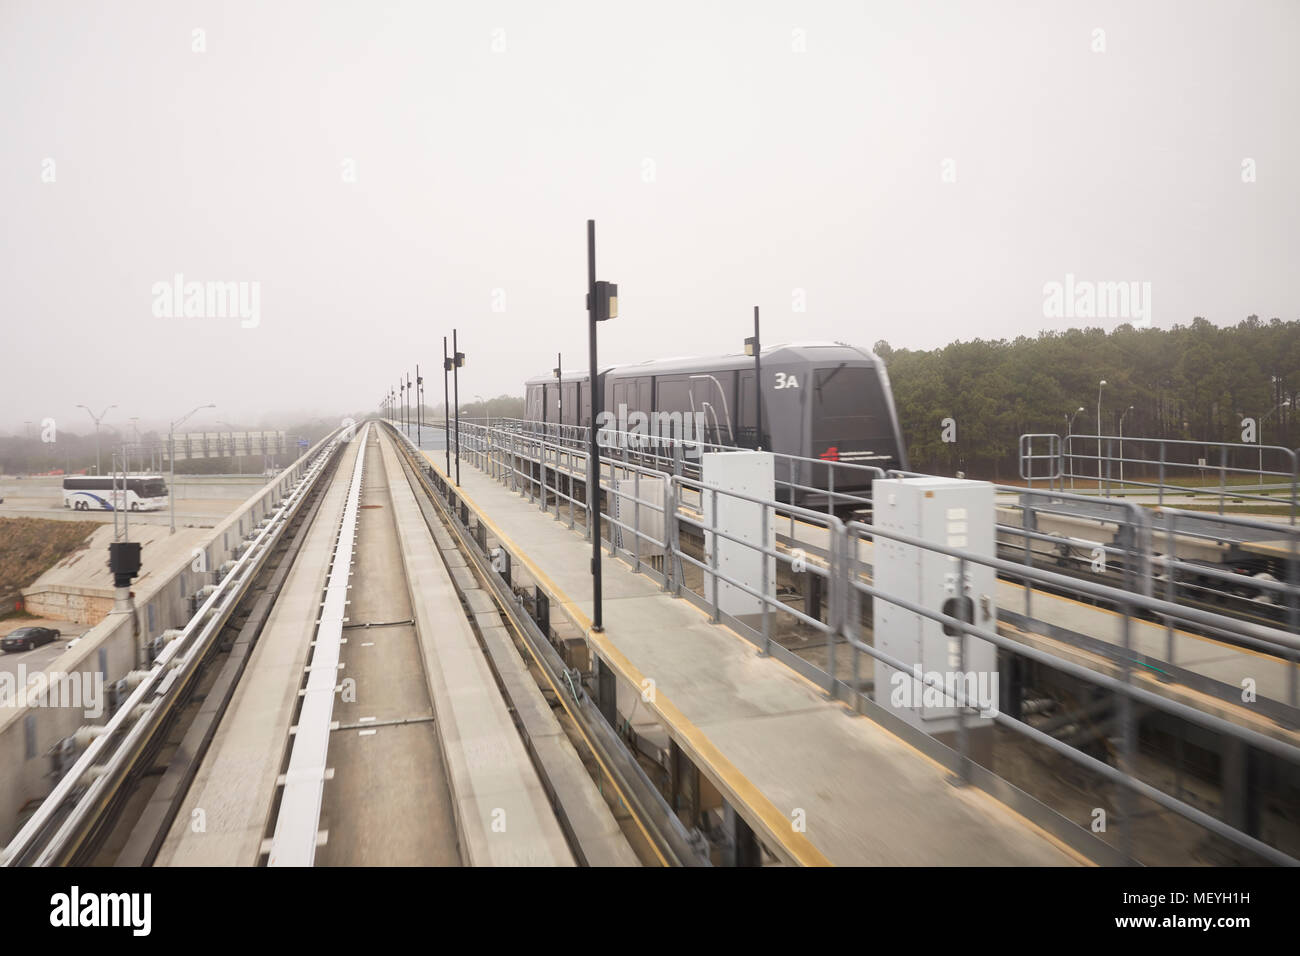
(713, 556)
(963, 732)
(1223, 475)
(1129, 731)
(1160, 491)
(767, 609)
(636, 521)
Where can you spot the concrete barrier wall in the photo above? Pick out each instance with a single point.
(27, 735)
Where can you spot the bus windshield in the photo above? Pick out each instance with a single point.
(150, 488)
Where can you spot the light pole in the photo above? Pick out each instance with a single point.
(1100, 386)
(97, 419)
(754, 347)
(446, 405)
(239, 468)
(1069, 430)
(1259, 438)
(171, 485)
(559, 399)
(135, 431)
(457, 362)
(419, 407)
(602, 305)
(1121, 444)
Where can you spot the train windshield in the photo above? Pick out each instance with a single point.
(849, 420)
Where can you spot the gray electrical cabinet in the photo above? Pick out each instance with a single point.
(956, 514)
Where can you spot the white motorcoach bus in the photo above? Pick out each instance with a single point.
(105, 493)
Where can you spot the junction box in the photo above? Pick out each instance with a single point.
(749, 473)
(951, 513)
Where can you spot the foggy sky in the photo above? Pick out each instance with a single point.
(731, 154)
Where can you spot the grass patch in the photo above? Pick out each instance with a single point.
(1252, 509)
(31, 546)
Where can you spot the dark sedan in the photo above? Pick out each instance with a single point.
(25, 638)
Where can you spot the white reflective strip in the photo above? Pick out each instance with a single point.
(294, 842)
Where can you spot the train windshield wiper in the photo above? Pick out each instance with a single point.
(823, 381)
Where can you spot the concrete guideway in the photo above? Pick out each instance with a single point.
(782, 755)
(235, 785)
(503, 815)
(387, 802)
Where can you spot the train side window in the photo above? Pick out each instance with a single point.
(674, 395)
(571, 403)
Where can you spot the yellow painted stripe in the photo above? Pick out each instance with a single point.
(775, 823)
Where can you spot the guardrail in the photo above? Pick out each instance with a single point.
(547, 469)
(1102, 459)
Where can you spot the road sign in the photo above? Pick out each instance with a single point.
(303, 443)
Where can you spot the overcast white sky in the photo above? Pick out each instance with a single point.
(731, 153)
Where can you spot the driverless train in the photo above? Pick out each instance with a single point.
(822, 402)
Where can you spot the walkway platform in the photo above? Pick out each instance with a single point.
(816, 784)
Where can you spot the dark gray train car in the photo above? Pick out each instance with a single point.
(821, 401)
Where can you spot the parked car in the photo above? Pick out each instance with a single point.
(25, 638)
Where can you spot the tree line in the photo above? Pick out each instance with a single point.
(1196, 382)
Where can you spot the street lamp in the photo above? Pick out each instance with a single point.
(1069, 430)
(754, 347)
(171, 486)
(238, 465)
(559, 399)
(457, 363)
(1100, 386)
(1259, 438)
(135, 431)
(446, 405)
(602, 305)
(1121, 445)
(419, 407)
(97, 419)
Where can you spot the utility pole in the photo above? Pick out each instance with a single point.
(171, 486)
(446, 405)
(97, 419)
(1100, 386)
(559, 398)
(458, 359)
(602, 305)
(754, 347)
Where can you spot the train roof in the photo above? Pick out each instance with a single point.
(791, 351)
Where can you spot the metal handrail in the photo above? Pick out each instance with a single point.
(509, 447)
